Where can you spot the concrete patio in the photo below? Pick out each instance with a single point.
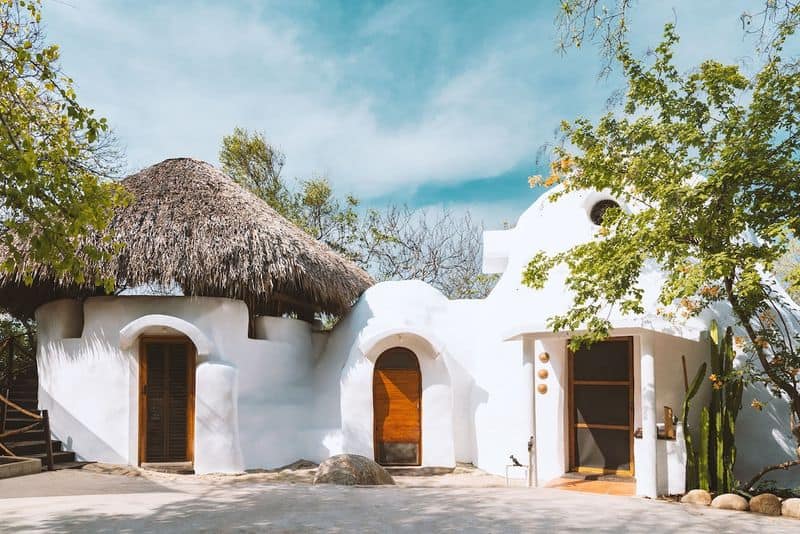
(80, 501)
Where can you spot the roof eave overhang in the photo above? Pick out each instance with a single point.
(536, 331)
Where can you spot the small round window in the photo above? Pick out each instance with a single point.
(599, 210)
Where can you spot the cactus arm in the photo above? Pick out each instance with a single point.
(691, 454)
(702, 453)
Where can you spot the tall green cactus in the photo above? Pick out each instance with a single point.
(691, 455)
(710, 466)
(703, 472)
(726, 401)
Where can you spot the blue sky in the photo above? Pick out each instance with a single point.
(425, 102)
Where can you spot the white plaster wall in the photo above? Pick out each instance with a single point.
(670, 391)
(295, 393)
(552, 427)
(252, 395)
(388, 315)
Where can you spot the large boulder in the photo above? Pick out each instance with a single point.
(766, 503)
(697, 496)
(730, 501)
(791, 508)
(351, 470)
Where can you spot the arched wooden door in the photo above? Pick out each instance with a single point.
(166, 405)
(397, 402)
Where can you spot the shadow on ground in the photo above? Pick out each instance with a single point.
(389, 508)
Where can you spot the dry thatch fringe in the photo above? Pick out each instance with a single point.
(192, 225)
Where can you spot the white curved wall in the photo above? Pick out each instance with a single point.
(292, 392)
(252, 396)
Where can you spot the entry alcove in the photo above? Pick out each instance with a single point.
(397, 403)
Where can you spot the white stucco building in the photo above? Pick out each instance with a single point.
(406, 377)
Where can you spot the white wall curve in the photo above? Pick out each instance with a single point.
(357, 410)
(417, 339)
(131, 332)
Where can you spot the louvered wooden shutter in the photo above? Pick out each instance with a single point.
(178, 401)
(156, 397)
(167, 394)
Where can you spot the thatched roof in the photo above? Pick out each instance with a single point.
(191, 225)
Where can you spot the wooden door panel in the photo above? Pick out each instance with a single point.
(167, 369)
(397, 404)
(397, 396)
(601, 407)
(156, 403)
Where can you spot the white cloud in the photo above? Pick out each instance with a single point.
(173, 80)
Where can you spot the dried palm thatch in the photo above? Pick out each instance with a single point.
(190, 225)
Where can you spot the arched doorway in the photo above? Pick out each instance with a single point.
(166, 401)
(397, 405)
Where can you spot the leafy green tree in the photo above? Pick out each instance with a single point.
(788, 264)
(255, 164)
(327, 218)
(396, 243)
(709, 163)
(23, 333)
(54, 153)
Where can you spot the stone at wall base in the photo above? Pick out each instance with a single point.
(766, 503)
(351, 470)
(730, 501)
(791, 508)
(697, 496)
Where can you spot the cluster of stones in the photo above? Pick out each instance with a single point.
(765, 503)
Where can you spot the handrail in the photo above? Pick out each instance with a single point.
(42, 419)
(19, 408)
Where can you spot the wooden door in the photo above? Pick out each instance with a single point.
(396, 396)
(166, 407)
(601, 407)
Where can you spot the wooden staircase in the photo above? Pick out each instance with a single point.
(32, 443)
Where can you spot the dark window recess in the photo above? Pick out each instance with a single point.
(602, 405)
(397, 358)
(603, 449)
(599, 210)
(605, 360)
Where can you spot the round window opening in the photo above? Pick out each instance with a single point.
(599, 210)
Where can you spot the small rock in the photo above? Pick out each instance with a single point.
(791, 508)
(351, 470)
(697, 496)
(299, 464)
(766, 503)
(730, 501)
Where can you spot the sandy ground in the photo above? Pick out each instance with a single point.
(119, 499)
(302, 472)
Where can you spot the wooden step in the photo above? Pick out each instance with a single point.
(30, 435)
(175, 468)
(28, 404)
(18, 422)
(25, 381)
(58, 457)
(23, 395)
(69, 465)
(26, 448)
(418, 471)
